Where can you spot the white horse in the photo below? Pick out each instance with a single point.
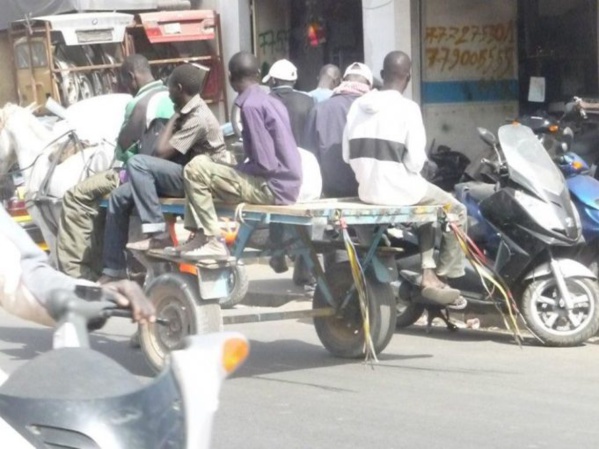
(26, 140)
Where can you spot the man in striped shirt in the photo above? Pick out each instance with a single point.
(384, 143)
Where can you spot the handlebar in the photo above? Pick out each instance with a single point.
(88, 302)
(581, 110)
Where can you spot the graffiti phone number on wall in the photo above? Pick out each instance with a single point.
(466, 34)
(486, 61)
(485, 51)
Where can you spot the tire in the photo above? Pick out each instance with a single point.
(86, 88)
(239, 284)
(176, 296)
(538, 315)
(408, 312)
(342, 334)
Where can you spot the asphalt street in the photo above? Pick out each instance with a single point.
(470, 389)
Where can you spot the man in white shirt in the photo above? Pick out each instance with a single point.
(384, 143)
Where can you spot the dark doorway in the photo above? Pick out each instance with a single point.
(558, 41)
(322, 32)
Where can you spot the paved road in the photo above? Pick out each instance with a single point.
(465, 390)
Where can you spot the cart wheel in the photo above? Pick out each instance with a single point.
(239, 283)
(342, 334)
(175, 296)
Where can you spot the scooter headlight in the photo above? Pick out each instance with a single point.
(541, 211)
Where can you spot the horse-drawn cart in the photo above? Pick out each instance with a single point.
(188, 303)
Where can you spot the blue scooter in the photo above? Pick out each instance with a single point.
(584, 191)
(561, 144)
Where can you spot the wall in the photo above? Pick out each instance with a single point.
(388, 26)
(235, 29)
(8, 90)
(271, 31)
(469, 69)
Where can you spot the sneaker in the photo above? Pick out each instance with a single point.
(196, 241)
(459, 304)
(158, 241)
(214, 248)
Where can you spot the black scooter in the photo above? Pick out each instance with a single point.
(76, 397)
(527, 226)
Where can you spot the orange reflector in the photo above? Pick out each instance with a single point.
(229, 232)
(188, 268)
(553, 128)
(235, 352)
(577, 165)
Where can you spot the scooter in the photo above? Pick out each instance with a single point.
(76, 397)
(527, 226)
(574, 131)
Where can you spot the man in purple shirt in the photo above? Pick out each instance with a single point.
(270, 174)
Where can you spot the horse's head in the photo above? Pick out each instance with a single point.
(8, 155)
(17, 121)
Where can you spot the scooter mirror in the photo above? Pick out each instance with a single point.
(487, 136)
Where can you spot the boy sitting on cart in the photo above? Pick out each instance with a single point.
(270, 174)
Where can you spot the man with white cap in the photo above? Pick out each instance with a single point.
(281, 78)
(324, 131)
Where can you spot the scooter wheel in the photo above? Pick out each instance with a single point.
(408, 311)
(547, 316)
(176, 299)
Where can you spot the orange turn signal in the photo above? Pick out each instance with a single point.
(553, 128)
(577, 165)
(235, 351)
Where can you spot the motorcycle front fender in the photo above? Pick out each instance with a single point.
(569, 268)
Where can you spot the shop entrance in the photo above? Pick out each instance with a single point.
(310, 33)
(558, 43)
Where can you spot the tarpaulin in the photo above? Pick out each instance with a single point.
(20, 9)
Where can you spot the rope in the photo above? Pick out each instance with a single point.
(360, 283)
(21, 170)
(238, 216)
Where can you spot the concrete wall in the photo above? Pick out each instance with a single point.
(8, 89)
(235, 19)
(456, 95)
(388, 26)
(469, 69)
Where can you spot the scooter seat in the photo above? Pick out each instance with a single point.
(476, 190)
(70, 373)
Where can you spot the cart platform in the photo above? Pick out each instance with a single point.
(190, 299)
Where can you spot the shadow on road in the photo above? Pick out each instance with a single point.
(295, 355)
(468, 335)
